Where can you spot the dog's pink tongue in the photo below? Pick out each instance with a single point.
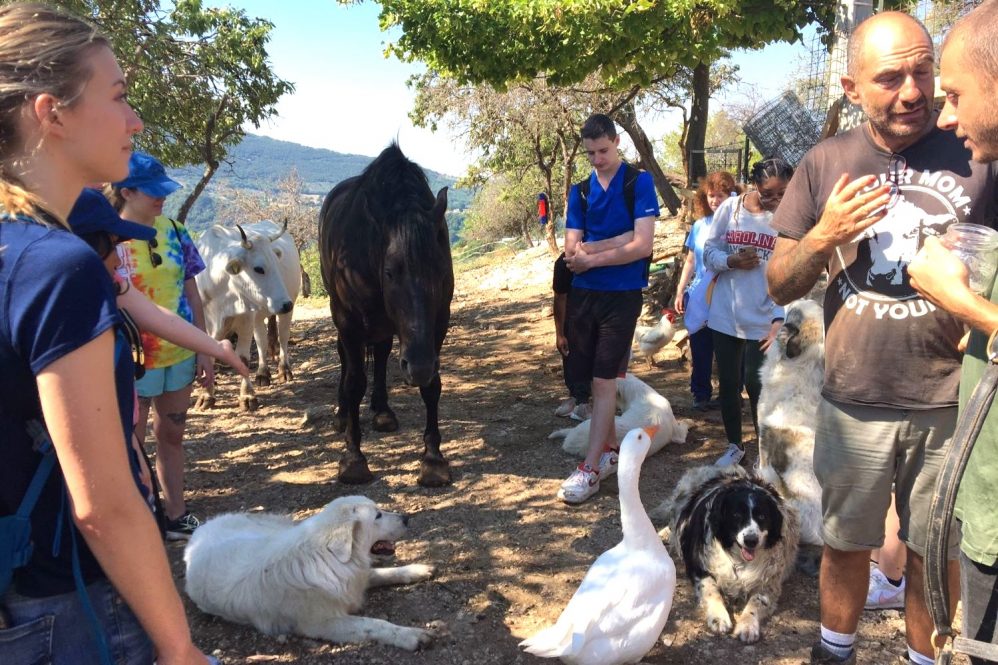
(748, 554)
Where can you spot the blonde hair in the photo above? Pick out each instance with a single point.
(42, 50)
(113, 194)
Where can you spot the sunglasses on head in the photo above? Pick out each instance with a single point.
(154, 257)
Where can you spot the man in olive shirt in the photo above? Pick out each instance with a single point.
(969, 76)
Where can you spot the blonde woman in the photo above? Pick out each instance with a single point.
(66, 122)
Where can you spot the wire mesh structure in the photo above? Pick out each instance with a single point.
(784, 128)
(722, 158)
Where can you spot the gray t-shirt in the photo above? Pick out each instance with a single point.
(886, 345)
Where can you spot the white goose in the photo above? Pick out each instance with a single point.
(620, 609)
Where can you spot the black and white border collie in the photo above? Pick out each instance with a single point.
(738, 540)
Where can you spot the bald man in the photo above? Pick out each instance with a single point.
(969, 77)
(860, 206)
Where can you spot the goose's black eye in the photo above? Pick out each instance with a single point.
(378, 516)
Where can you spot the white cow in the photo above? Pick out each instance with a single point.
(253, 272)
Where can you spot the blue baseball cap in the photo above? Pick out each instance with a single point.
(92, 212)
(147, 175)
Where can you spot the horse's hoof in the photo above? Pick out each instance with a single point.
(434, 473)
(262, 380)
(385, 421)
(354, 471)
(248, 404)
(284, 375)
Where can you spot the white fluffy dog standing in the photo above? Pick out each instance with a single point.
(305, 577)
(792, 375)
(641, 406)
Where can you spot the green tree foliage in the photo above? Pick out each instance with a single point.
(632, 41)
(628, 42)
(196, 76)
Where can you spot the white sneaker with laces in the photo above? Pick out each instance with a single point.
(883, 595)
(582, 484)
(565, 408)
(608, 463)
(733, 455)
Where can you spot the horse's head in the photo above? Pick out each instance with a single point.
(418, 282)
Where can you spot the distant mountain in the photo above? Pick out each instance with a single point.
(259, 163)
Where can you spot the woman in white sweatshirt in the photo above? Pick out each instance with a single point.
(742, 316)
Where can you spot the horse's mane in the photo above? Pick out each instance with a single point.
(393, 173)
(399, 196)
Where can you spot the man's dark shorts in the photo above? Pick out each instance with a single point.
(600, 328)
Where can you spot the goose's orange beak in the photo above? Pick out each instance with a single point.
(651, 430)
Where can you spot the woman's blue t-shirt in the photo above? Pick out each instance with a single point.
(55, 296)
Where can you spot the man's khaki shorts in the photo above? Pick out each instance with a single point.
(860, 452)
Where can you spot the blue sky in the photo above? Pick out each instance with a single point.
(352, 99)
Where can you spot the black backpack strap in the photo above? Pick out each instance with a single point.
(630, 184)
(583, 187)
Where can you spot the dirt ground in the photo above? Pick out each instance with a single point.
(508, 555)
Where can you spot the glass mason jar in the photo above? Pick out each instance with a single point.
(977, 247)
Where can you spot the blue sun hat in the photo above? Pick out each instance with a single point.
(92, 213)
(146, 174)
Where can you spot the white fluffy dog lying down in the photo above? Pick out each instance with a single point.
(640, 406)
(307, 577)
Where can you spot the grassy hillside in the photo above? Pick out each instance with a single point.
(259, 163)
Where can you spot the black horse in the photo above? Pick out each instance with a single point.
(386, 263)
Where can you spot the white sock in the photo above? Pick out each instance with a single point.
(919, 659)
(840, 644)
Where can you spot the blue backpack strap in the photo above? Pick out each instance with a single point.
(44, 444)
(18, 547)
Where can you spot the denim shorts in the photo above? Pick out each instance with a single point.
(156, 382)
(57, 630)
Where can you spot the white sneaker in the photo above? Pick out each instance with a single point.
(608, 463)
(565, 408)
(582, 412)
(883, 595)
(733, 455)
(579, 486)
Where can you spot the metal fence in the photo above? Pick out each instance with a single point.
(731, 158)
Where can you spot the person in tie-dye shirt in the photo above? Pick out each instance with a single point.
(163, 269)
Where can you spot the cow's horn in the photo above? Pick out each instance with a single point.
(246, 243)
(282, 231)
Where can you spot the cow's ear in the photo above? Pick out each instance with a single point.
(440, 205)
(234, 267)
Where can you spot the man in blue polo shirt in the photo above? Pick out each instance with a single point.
(605, 300)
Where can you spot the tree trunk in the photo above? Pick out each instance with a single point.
(697, 134)
(185, 209)
(546, 169)
(627, 119)
(210, 160)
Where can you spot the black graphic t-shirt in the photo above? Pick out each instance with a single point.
(886, 345)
